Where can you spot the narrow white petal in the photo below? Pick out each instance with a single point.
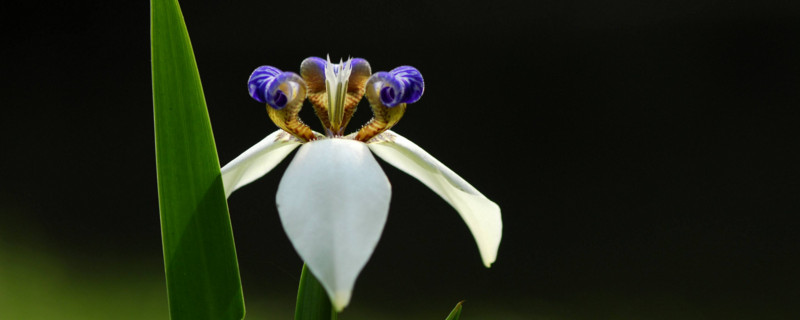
(333, 202)
(481, 214)
(258, 160)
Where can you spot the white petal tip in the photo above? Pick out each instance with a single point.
(340, 300)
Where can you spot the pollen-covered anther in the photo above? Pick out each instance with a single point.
(284, 93)
(388, 94)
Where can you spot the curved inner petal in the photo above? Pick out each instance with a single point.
(287, 93)
(481, 215)
(313, 72)
(258, 160)
(333, 202)
(322, 78)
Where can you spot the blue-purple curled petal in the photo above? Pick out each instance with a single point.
(284, 89)
(412, 82)
(259, 81)
(401, 85)
(275, 88)
(388, 88)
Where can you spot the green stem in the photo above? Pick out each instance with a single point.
(312, 300)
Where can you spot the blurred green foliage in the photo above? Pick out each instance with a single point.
(40, 283)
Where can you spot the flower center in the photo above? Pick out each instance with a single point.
(334, 90)
(336, 81)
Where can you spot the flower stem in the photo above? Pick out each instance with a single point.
(312, 300)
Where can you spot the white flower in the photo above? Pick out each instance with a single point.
(333, 199)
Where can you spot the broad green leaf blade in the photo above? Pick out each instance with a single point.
(312, 300)
(456, 313)
(199, 255)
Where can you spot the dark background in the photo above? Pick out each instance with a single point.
(643, 153)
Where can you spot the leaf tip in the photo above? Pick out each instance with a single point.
(456, 313)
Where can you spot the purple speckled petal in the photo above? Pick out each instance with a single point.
(401, 85)
(275, 88)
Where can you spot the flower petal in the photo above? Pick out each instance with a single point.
(333, 202)
(481, 214)
(401, 85)
(258, 160)
(259, 80)
(276, 88)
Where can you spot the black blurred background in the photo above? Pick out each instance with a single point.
(643, 153)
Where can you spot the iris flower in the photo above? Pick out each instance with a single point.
(333, 199)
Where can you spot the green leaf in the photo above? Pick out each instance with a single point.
(199, 254)
(456, 313)
(312, 300)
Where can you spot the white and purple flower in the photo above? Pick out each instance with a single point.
(333, 199)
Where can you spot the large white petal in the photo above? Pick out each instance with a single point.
(481, 214)
(333, 202)
(258, 160)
